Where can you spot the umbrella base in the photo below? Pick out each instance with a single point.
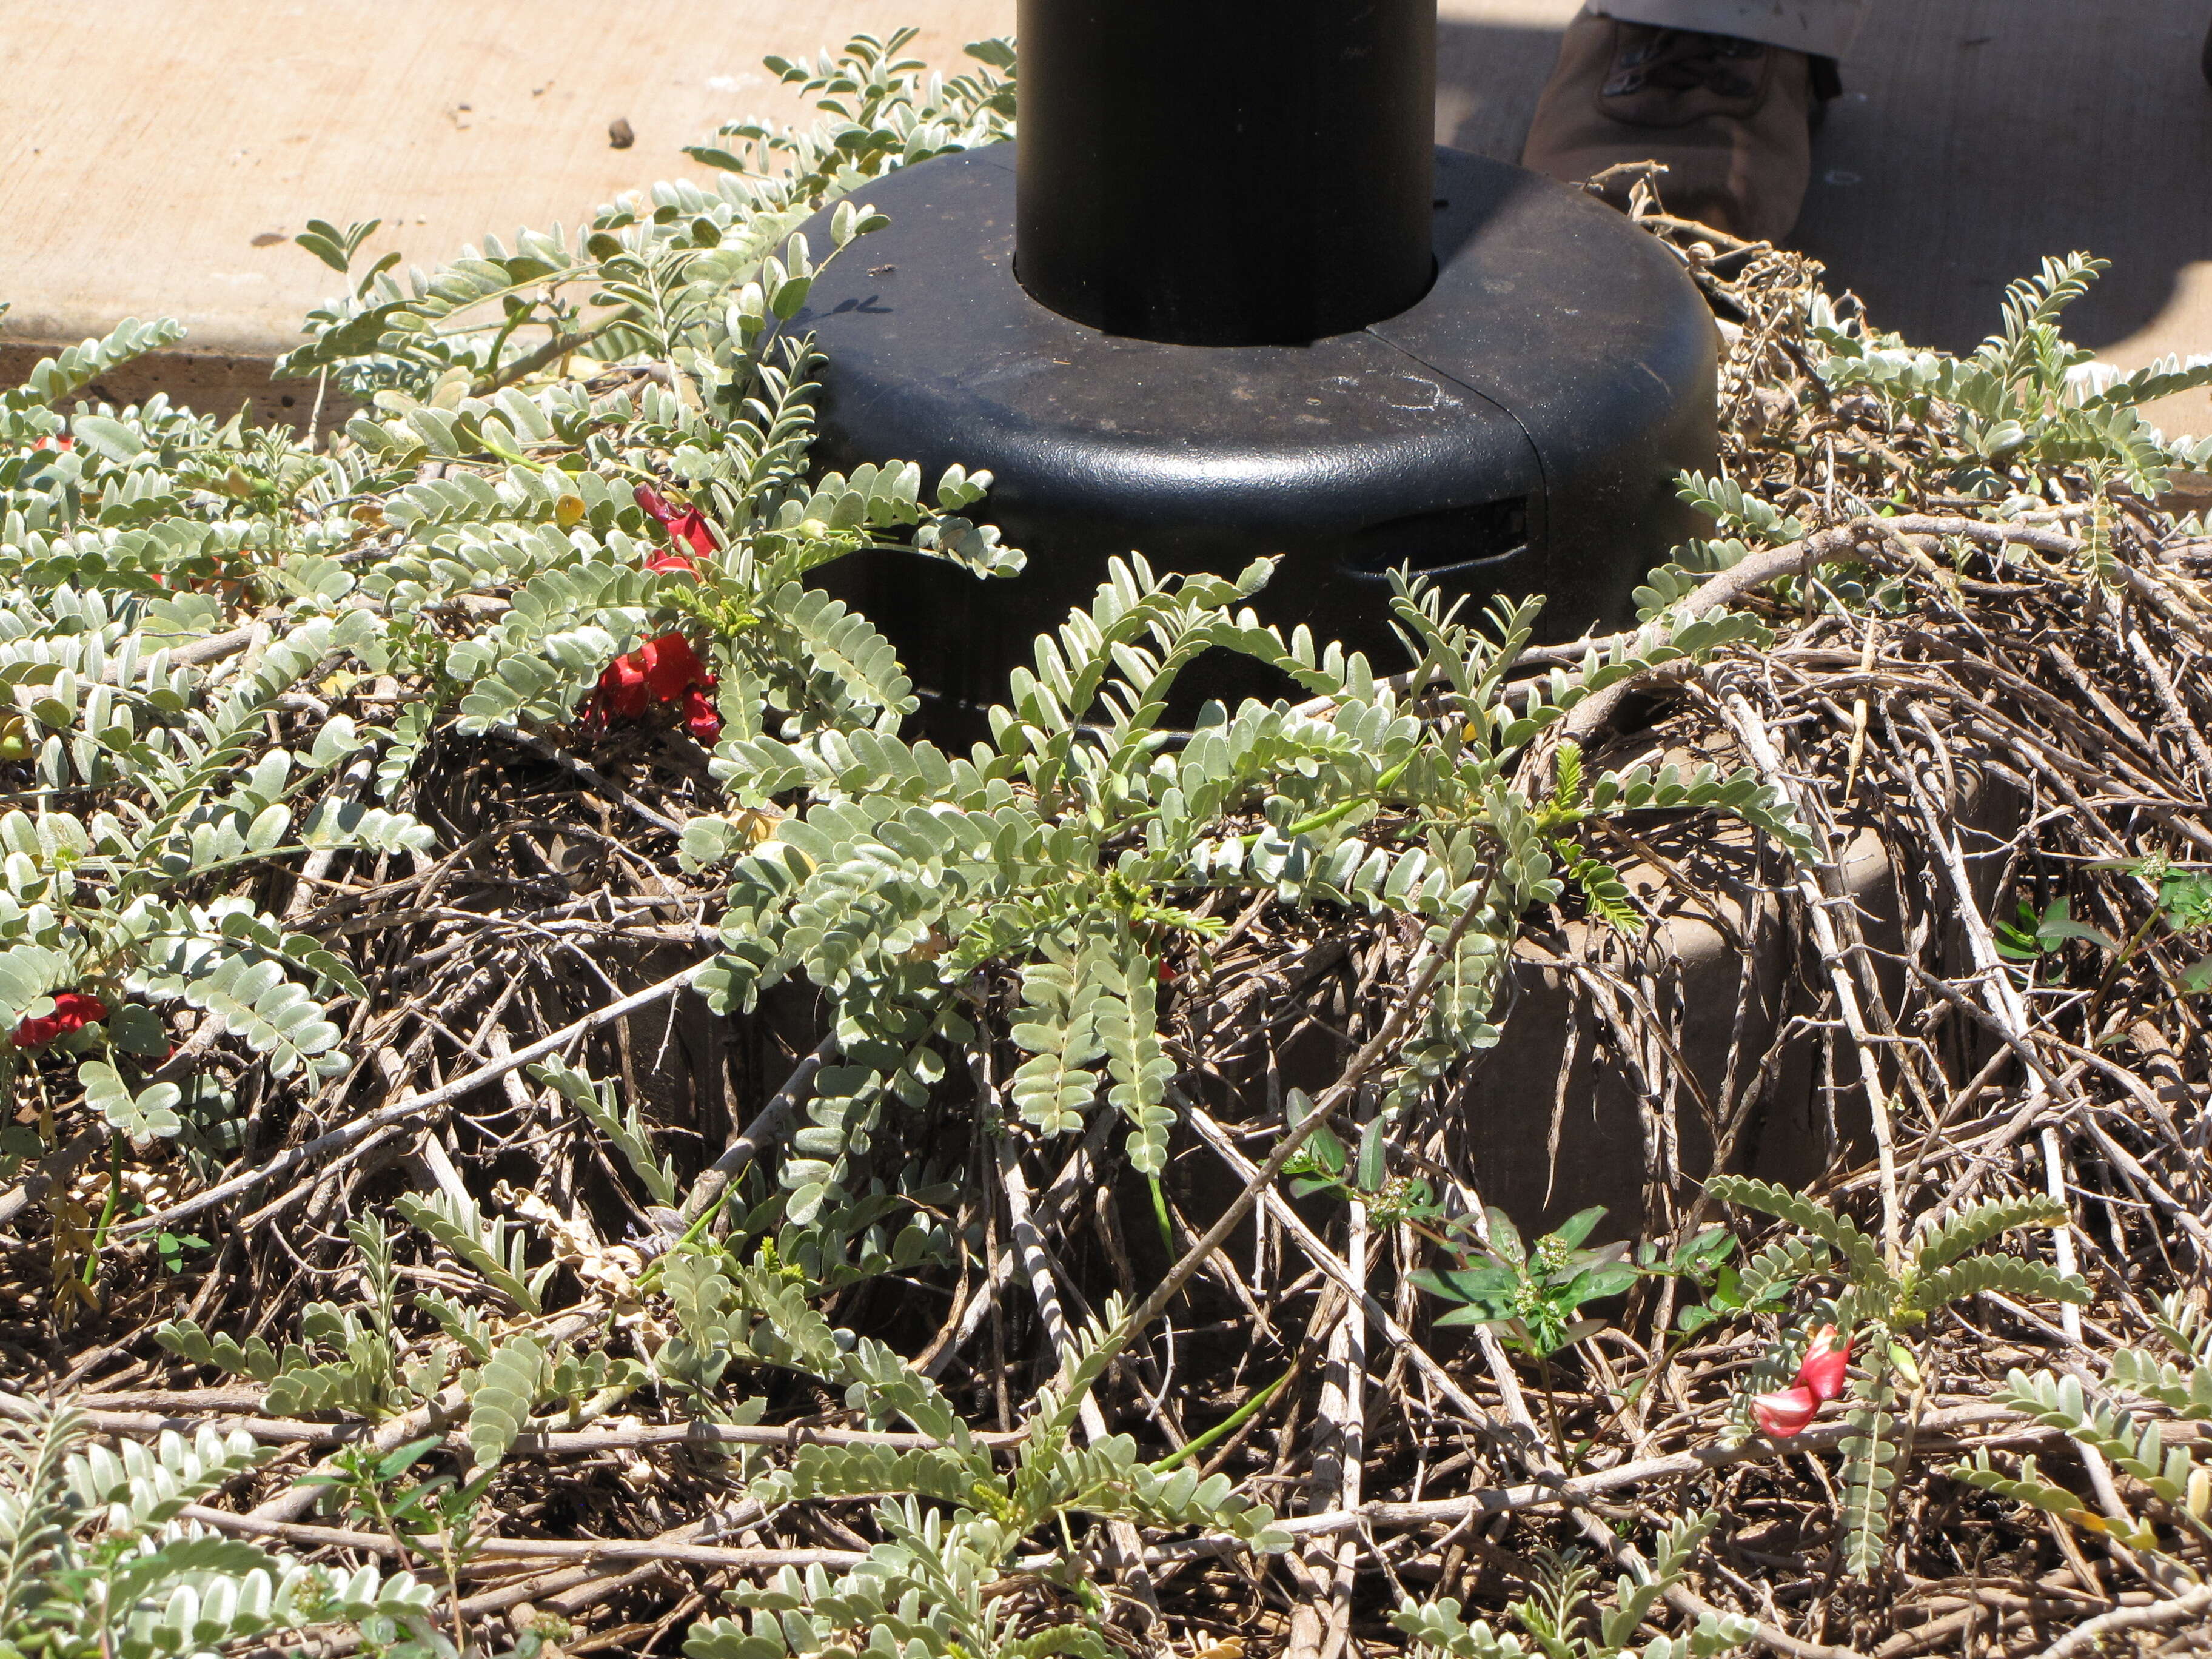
(1516, 431)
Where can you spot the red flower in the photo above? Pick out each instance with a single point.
(51, 441)
(622, 691)
(690, 525)
(661, 672)
(1819, 1377)
(685, 525)
(1822, 1368)
(73, 1011)
(701, 718)
(672, 667)
(1784, 1412)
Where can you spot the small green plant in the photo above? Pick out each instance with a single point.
(1559, 1621)
(2182, 906)
(2036, 935)
(437, 1517)
(1326, 1164)
(173, 1248)
(1533, 1296)
(1883, 1308)
(1729, 1290)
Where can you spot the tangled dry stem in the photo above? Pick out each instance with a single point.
(1409, 1458)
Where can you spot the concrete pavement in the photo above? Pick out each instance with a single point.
(161, 154)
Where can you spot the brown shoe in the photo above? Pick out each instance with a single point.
(1731, 119)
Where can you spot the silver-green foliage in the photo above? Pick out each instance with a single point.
(138, 898)
(2024, 401)
(348, 1358)
(191, 600)
(1079, 841)
(2177, 1477)
(888, 112)
(358, 1360)
(474, 548)
(96, 1561)
(928, 1589)
(683, 272)
(158, 791)
(2024, 406)
(624, 1130)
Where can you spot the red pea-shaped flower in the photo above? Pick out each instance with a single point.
(1819, 1377)
(672, 667)
(73, 1011)
(1828, 1356)
(686, 526)
(1784, 1412)
(701, 718)
(623, 693)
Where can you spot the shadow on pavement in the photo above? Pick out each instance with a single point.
(1487, 80)
(1975, 137)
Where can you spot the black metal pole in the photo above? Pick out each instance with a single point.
(1226, 172)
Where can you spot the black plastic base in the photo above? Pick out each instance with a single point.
(1517, 431)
